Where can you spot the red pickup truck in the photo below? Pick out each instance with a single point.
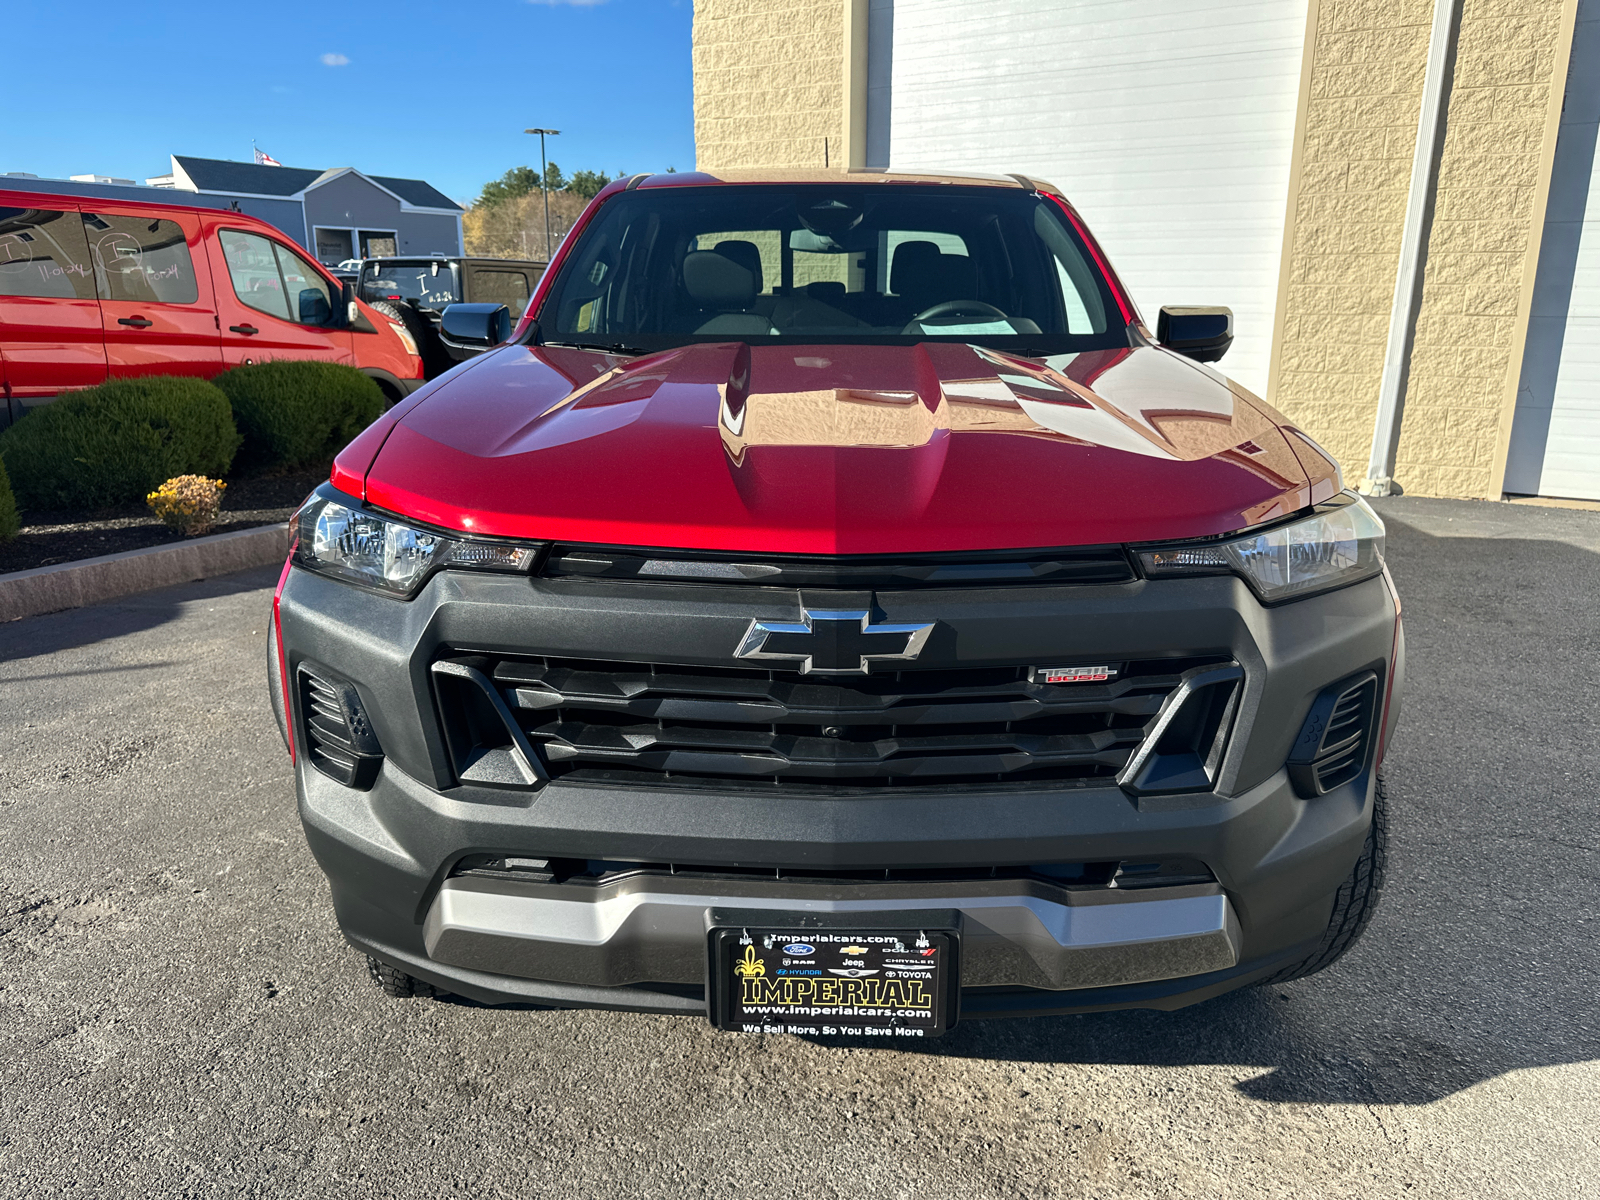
(94, 288)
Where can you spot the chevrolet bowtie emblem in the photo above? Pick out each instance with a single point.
(832, 642)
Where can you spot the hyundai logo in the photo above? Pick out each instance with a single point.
(829, 642)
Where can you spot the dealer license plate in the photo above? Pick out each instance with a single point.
(863, 982)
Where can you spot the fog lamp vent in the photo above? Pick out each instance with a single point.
(1335, 740)
(339, 738)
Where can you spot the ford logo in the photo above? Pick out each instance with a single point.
(799, 948)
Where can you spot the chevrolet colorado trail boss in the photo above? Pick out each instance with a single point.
(834, 610)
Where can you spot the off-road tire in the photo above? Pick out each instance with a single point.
(434, 359)
(1355, 902)
(396, 982)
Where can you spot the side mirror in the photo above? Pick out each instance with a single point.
(1203, 334)
(314, 308)
(474, 326)
(347, 304)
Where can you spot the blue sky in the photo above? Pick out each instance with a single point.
(421, 92)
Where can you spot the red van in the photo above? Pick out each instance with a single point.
(94, 288)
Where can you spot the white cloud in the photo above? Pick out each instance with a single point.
(335, 60)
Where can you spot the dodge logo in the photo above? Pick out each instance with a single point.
(833, 643)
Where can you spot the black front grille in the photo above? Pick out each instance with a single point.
(742, 727)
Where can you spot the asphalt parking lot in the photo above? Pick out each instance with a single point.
(179, 1016)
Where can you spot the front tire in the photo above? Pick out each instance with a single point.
(1354, 903)
(396, 982)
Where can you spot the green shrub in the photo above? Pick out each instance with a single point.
(8, 508)
(298, 413)
(118, 442)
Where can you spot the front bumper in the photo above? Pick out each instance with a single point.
(390, 852)
(1017, 932)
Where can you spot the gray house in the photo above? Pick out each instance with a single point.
(336, 214)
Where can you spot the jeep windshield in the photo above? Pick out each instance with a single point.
(823, 263)
(427, 283)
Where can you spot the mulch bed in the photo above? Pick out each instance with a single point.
(47, 538)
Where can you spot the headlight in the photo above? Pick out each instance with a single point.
(405, 337)
(1340, 544)
(338, 538)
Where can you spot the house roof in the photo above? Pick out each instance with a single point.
(417, 192)
(222, 175)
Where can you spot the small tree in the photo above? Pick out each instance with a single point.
(515, 183)
(587, 184)
(553, 178)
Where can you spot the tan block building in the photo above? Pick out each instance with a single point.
(1394, 196)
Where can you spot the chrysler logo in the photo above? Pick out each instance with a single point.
(832, 642)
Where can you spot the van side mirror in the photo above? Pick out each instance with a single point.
(475, 326)
(314, 307)
(347, 304)
(1203, 334)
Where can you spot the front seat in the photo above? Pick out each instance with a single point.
(725, 289)
(923, 275)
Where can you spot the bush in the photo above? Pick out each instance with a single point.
(188, 504)
(8, 508)
(115, 443)
(298, 413)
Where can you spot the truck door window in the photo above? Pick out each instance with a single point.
(44, 253)
(273, 279)
(501, 287)
(141, 259)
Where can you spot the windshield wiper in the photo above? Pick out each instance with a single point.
(604, 347)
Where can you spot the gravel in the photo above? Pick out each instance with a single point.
(179, 1016)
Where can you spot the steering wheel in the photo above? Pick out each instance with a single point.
(954, 308)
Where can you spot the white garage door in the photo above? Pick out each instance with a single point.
(1169, 123)
(1555, 442)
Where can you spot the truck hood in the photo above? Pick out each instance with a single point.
(836, 450)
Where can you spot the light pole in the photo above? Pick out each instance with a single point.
(544, 184)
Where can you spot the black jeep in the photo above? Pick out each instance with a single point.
(415, 292)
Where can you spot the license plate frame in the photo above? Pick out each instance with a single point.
(827, 992)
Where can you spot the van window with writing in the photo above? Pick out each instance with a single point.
(43, 253)
(141, 259)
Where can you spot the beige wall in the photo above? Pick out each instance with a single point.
(1511, 67)
(1346, 210)
(769, 83)
(1347, 200)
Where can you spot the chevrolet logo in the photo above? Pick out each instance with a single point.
(832, 642)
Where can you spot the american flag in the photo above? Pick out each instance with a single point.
(266, 160)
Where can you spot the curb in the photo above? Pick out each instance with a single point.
(112, 576)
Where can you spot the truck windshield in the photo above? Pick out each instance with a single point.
(426, 284)
(824, 263)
